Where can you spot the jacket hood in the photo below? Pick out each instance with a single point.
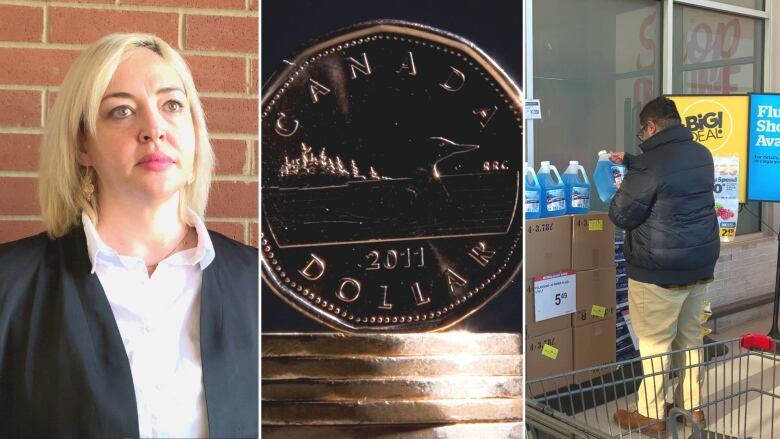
(672, 134)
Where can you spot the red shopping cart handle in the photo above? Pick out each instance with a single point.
(757, 341)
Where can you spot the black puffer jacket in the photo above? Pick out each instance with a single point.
(666, 206)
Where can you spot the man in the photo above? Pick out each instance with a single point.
(666, 206)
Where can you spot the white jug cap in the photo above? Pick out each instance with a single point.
(574, 162)
(545, 163)
(603, 151)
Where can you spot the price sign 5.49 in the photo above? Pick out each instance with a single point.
(555, 295)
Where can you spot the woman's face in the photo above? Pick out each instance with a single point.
(144, 145)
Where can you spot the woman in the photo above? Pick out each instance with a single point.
(127, 318)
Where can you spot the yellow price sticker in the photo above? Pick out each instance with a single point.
(598, 311)
(595, 225)
(550, 352)
(728, 232)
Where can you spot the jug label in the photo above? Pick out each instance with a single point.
(532, 201)
(556, 200)
(617, 173)
(580, 197)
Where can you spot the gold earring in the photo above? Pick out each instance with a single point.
(87, 186)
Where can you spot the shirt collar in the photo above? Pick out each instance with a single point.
(96, 247)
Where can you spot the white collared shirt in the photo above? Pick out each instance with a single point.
(159, 320)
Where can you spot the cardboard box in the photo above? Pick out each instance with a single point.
(534, 328)
(547, 250)
(595, 292)
(592, 242)
(594, 345)
(547, 245)
(539, 366)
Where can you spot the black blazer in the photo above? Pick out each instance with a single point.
(63, 367)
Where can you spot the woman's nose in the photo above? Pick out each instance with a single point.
(153, 126)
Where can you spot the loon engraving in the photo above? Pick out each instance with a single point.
(443, 149)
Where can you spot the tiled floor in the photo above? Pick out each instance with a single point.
(760, 326)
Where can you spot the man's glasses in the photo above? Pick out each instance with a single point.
(639, 133)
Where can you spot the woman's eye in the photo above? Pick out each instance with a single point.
(121, 112)
(173, 106)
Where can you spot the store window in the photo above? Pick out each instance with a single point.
(719, 53)
(595, 65)
(752, 4)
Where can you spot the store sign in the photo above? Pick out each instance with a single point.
(726, 191)
(764, 148)
(720, 123)
(555, 295)
(533, 109)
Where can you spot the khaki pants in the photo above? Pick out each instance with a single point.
(664, 320)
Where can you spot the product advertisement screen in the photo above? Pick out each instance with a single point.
(764, 148)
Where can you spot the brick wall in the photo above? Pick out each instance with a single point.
(744, 271)
(218, 38)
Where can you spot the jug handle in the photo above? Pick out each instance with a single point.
(557, 175)
(584, 174)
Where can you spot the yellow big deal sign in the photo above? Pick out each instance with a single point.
(719, 122)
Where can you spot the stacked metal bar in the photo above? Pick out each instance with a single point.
(428, 385)
(625, 349)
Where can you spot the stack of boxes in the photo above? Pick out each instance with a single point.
(584, 245)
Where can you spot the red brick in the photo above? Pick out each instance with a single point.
(231, 230)
(252, 5)
(19, 152)
(86, 1)
(214, 4)
(218, 73)
(254, 77)
(253, 235)
(231, 156)
(233, 199)
(35, 66)
(21, 108)
(233, 34)
(231, 115)
(83, 26)
(11, 230)
(255, 157)
(19, 196)
(19, 23)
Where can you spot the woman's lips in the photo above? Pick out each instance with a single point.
(156, 162)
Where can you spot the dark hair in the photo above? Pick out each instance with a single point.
(662, 111)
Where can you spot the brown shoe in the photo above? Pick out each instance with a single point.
(698, 415)
(634, 420)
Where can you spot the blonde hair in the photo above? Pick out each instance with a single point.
(74, 116)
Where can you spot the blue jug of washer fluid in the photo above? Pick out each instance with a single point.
(553, 202)
(577, 189)
(606, 175)
(533, 194)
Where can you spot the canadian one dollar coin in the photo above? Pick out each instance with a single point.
(391, 159)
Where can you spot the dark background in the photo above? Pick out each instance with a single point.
(495, 26)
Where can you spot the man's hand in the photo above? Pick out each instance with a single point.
(617, 156)
(617, 185)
